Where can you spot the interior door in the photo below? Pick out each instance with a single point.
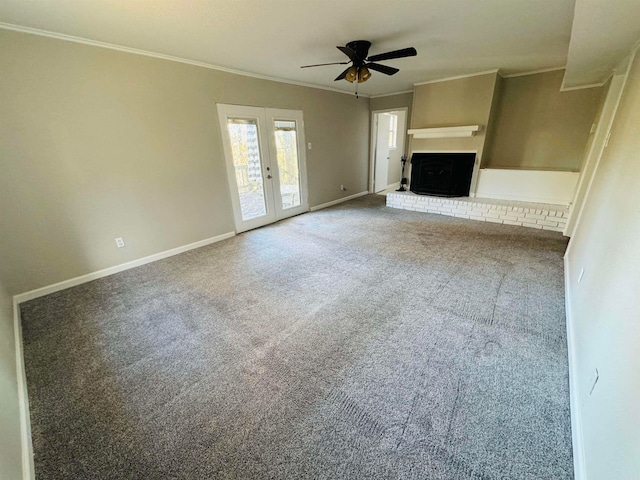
(382, 153)
(266, 167)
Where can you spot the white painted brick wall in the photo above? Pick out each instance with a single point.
(548, 217)
(547, 223)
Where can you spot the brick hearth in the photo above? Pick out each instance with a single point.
(533, 215)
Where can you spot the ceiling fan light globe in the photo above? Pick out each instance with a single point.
(363, 75)
(352, 75)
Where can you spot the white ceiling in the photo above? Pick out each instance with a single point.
(603, 33)
(274, 38)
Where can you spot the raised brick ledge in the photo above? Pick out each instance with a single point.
(525, 214)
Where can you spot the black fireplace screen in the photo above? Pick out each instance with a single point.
(442, 174)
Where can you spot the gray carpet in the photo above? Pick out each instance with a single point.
(354, 342)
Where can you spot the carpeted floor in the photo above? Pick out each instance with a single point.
(354, 342)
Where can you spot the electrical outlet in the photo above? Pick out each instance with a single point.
(581, 275)
(119, 242)
(343, 188)
(309, 145)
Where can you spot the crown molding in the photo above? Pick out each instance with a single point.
(533, 72)
(581, 87)
(161, 56)
(457, 77)
(391, 94)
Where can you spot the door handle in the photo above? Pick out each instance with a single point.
(269, 176)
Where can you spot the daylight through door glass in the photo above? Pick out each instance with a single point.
(288, 167)
(247, 162)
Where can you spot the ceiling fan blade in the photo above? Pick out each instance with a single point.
(405, 52)
(323, 64)
(342, 75)
(382, 68)
(349, 53)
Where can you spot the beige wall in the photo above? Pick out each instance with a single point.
(539, 127)
(604, 307)
(493, 116)
(98, 144)
(392, 101)
(10, 447)
(466, 101)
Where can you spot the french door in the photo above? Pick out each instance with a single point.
(265, 156)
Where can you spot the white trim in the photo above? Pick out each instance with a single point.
(608, 77)
(171, 58)
(577, 210)
(443, 151)
(579, 468)
(391, 94)
(340, 200)
(581, 87)
(28, 470)
(533, 72)
(72, 282)
(445, 132)
(457, 77)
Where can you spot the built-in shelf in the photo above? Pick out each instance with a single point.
(445, 132)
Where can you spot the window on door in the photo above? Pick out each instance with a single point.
(245, 148)
(287, 153)
(393, 130)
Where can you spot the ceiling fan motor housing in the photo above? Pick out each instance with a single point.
(361, 47)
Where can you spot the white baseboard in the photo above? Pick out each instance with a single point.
(335, 202)
(72, 282)
(579, 472)
(28, 470)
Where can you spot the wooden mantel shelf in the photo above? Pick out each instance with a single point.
(445, 132)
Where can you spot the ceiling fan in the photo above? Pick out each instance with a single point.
(357, 52)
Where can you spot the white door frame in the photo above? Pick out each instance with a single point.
(374, 135)
(269, 164)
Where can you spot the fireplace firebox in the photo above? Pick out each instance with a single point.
(442, 174)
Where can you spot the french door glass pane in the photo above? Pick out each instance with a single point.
(287, 152)
(245, 149)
